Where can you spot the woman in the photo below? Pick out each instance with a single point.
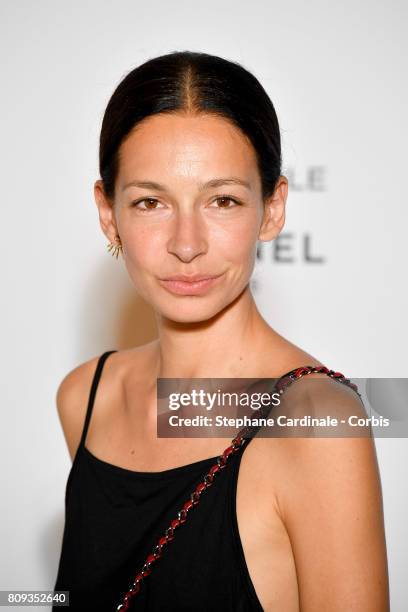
(190, 166)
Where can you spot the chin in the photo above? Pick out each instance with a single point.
(193, 310)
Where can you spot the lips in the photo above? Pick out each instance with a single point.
(189, 284)
(190, 278)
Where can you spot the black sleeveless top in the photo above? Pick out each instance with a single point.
(115, 516)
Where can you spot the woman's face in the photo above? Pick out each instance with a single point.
(188, 202)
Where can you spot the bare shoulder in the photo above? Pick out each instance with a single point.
(327, 492)
(285, 356)
(315, 392)
(72, 399)
(73, 391)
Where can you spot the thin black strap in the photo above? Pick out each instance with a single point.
(94, 386)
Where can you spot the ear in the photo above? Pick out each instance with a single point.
(274, 212)
(106, 212)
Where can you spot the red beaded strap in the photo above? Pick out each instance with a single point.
(239, 440)
(293, 375)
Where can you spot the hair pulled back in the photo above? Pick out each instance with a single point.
(192, 82)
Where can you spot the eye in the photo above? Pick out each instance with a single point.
(151, 204)
(224, 199)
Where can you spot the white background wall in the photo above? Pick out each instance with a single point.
(336, 73)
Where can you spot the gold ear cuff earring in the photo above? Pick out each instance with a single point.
(115, 248)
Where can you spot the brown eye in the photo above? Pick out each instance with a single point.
(152, 202)
(225, 201)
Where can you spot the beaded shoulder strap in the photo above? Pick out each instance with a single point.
(240, 439)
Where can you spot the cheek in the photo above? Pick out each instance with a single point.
(143, 256)
(236, 243)
(143, 246)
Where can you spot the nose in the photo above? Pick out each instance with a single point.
(187, 236)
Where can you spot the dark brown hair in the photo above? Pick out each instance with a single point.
(194, 82)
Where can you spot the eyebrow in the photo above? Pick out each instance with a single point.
(212, 183)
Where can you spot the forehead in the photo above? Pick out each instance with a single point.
(189, 146)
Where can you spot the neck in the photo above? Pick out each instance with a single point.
(230, 344)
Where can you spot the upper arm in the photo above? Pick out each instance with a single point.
(72, 400)
(332, 508)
